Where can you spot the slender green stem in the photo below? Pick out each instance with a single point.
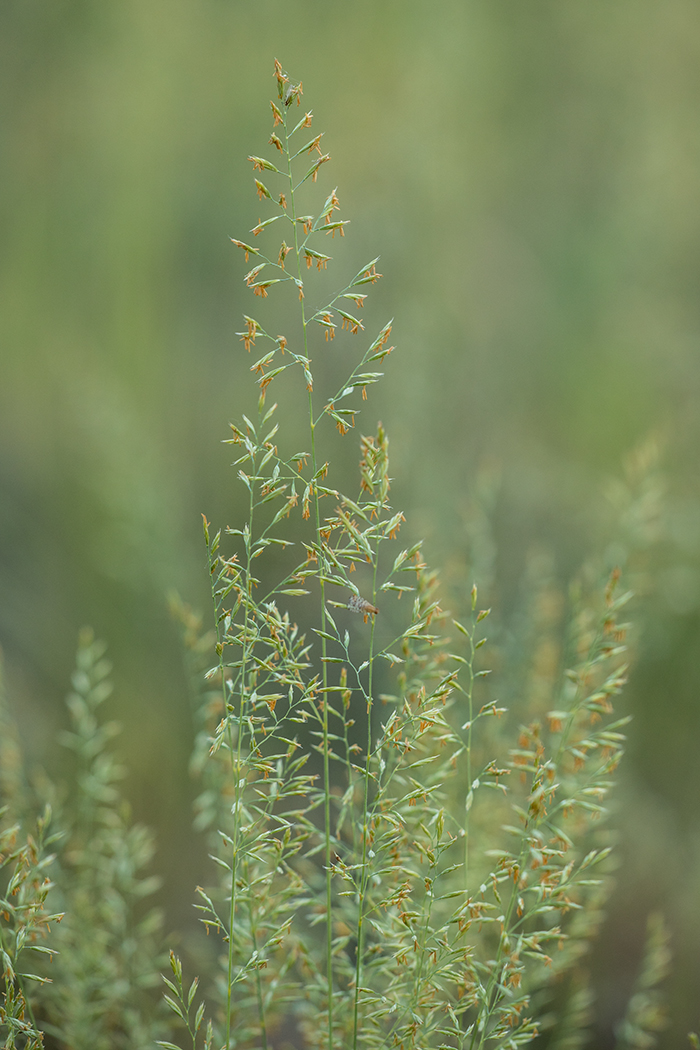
(365, 822)
(423, 949)
(322, 573)
(236, 764)
(258, 982)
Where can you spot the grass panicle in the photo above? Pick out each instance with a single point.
(108, 945)
(399, 858)
(392, 873)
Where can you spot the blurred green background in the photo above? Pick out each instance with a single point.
(529, 173)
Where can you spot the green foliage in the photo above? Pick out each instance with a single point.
(397, 860)
(108, 954)
(24, 926)
(646, 1016)
(25, 862)
(182, 1005)
(104, 954)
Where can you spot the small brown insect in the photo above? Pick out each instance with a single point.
(358, 604)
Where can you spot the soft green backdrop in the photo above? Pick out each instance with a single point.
(529, 172)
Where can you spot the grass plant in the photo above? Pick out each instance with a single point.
(369, 896)
(108, 943)
(398, 860)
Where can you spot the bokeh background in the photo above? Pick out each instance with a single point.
(529, 173)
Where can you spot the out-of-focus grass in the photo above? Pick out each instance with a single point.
(529, 173)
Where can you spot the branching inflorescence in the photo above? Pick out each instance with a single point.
(390, 871)
(359, 905)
